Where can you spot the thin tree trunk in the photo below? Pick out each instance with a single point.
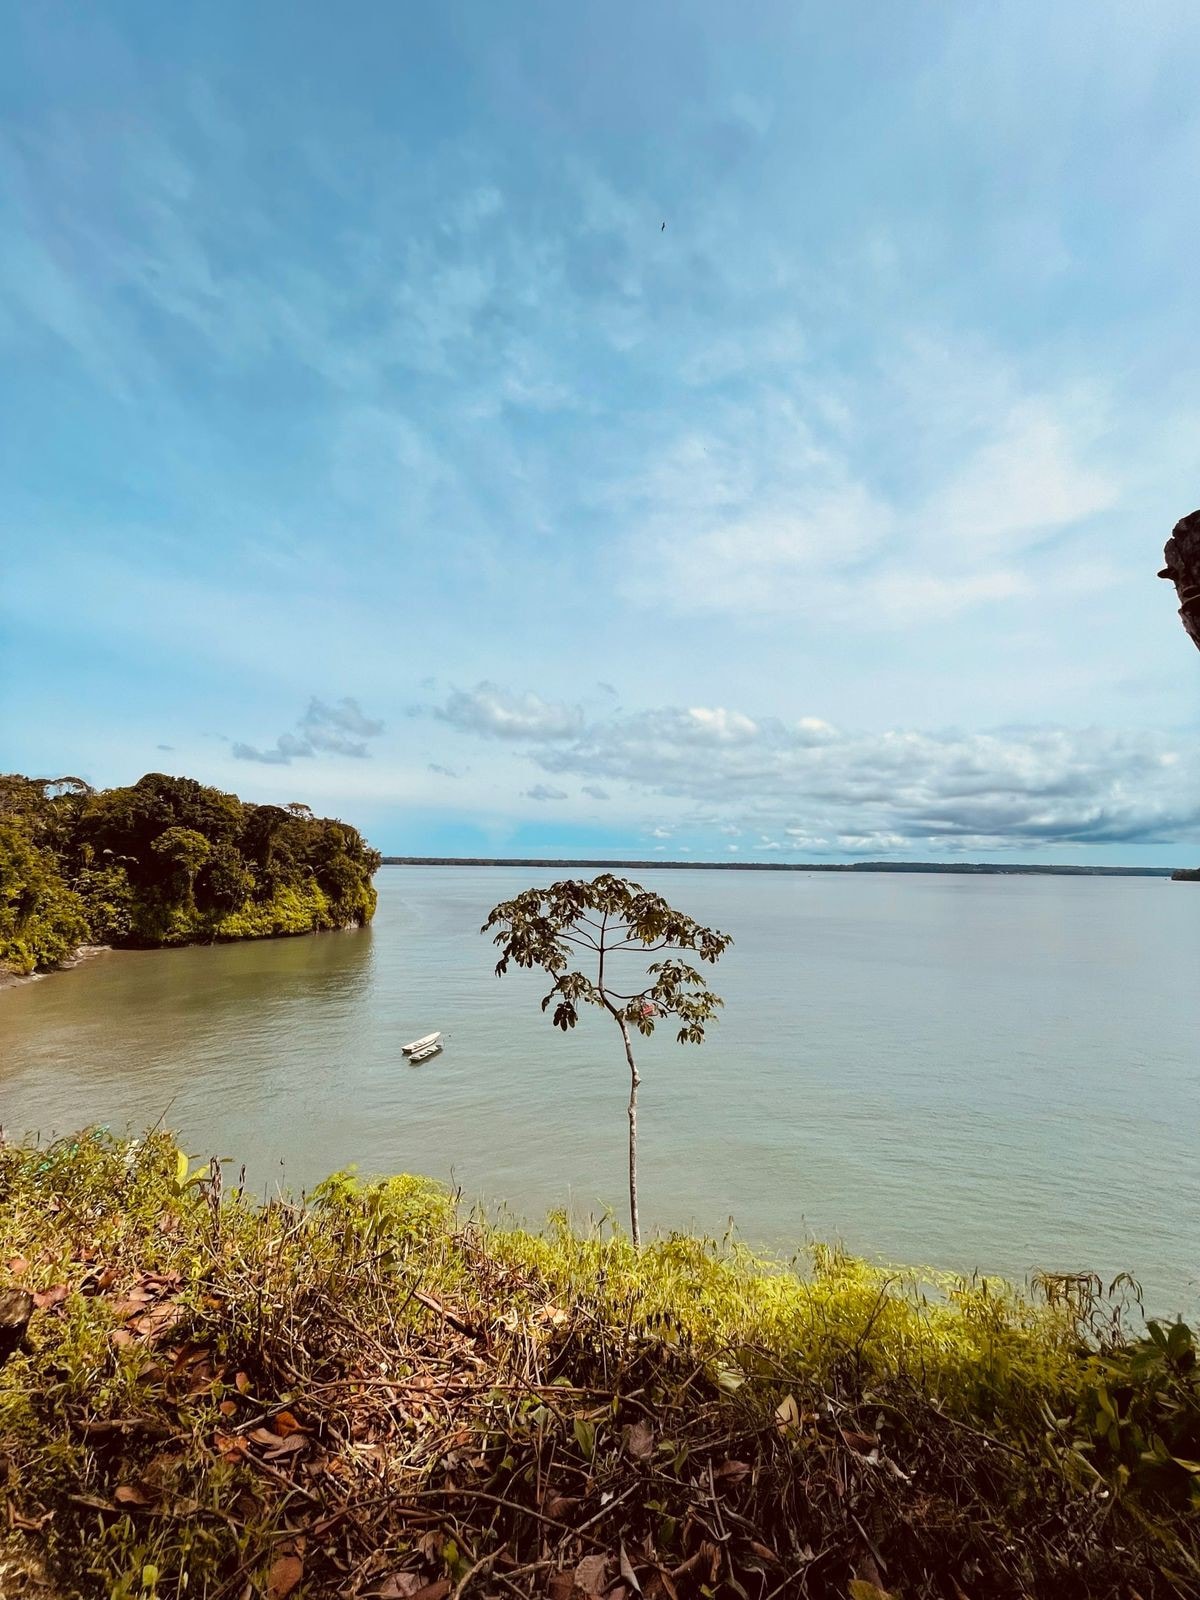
(634, 1080)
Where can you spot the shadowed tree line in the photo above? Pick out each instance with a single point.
(166, 861)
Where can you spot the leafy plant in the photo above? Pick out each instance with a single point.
(611, 918)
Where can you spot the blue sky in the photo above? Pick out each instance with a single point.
(366, 438)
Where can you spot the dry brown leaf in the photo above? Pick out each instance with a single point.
(627, 1572)
(639, 1440)
(590, 1574)
(285, 1423)
(787, 1414)
(732, 1471)
(17, 1265)
(560, 1586)
(45, 1298)
(158, 1321)
(292, 1445)
(562, 1505)
(36, 1524)
(859, 1441)
(286, 1572)
(131, 1305)
(132, 1494)
(408, 1585)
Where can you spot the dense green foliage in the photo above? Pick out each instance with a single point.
(369, 1396)
(166, 861)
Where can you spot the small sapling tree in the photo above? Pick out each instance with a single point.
(606, 923)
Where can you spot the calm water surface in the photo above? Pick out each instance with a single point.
(994, 1073)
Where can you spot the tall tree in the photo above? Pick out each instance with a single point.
(609, 923)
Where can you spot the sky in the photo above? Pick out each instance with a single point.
(611, 428)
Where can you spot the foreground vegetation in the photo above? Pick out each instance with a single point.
(368, 1395)
(166, 861)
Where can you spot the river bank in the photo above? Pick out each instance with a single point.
(370, 1395)
(84, 952)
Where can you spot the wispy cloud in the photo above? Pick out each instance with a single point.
(773, 511)
(340, 729)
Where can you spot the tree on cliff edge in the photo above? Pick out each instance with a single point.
(607, 922)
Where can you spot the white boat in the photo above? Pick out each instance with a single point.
(429, 1039)
(424, 1052)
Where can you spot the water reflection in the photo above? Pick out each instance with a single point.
(995, 1073)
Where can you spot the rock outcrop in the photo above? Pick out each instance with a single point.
(1182, 557)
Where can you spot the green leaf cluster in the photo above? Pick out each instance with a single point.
(602, 922)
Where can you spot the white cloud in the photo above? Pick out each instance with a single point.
(823, 788)
(497, 714)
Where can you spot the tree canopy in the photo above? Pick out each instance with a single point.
(604, 923)
(166, 861)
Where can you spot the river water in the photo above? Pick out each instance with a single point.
(996, 1073)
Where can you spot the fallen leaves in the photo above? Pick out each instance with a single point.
(591, 1575)
(411, 1586)
(473, 1436)
(136, 1495)
(287, 1570)
(639, 1440)
(787, 1414)
(626, 1568)
(43, 1299)
(276, 1447)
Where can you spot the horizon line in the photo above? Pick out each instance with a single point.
(1060, 869)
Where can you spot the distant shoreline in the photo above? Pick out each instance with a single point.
(963, 868)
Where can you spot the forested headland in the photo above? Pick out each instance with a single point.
(166, 861)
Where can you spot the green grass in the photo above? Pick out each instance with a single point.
(369, 1394)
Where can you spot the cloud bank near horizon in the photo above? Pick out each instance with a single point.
(805, 785)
